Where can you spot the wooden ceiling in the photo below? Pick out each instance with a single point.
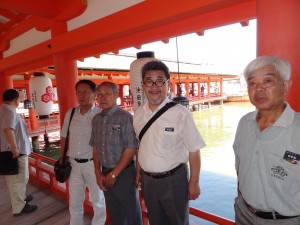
(143, 22)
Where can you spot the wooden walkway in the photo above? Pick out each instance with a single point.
(52, 210)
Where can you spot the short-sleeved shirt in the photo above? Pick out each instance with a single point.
(268, 163)
(168, 140)
(80, 132)
(9, 118)
(112, 133)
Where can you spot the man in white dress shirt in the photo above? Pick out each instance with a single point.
(168, 145)
(80, 155)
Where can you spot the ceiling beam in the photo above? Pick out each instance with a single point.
(127, 28)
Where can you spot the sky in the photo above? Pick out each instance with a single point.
(223, 50)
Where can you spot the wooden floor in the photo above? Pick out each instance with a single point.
(51, 209)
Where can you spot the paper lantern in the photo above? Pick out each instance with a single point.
(136, 77)
(42, 94)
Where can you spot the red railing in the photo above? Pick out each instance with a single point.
(41, 173)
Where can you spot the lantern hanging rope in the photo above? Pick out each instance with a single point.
(179, 98)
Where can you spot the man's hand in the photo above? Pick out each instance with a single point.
(109, 180)
(15, 153)
(100, 181)
(194, 190)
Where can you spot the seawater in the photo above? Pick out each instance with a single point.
(218, 182)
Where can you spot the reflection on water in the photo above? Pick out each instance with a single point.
(218, 179)
(50, 148)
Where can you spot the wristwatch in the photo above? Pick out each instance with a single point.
(113, 176)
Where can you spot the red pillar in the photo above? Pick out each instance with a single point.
(187, 89)
(32, 116)
(6, 82)
(278, 34)
(174, 88)
(221, 87)
(121, 94)
(66, 76)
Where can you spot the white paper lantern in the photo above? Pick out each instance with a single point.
(42, 94)
(136, 77)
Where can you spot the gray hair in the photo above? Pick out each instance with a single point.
(113, 85)
(281, 66)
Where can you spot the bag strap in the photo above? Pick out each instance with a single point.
(155, 117)
(67, 138)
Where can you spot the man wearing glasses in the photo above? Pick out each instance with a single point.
(168, 145)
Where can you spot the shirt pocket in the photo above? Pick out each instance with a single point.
(286, 171)
(167, 138)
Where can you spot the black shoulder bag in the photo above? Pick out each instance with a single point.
(8, 164)
(63, 171)
(158, 114)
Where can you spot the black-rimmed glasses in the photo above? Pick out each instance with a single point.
(158, 83)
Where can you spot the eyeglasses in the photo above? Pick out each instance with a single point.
(158, 83)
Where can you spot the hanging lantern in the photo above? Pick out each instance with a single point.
(42, 94)
(136, 77)
(27, 104)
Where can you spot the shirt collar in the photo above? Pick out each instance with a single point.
(9, 106)
(285, 119)
(146, 105)
(91, 109)
(111, 111)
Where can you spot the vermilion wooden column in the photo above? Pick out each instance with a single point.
(221, 87)
(32, 116)
(121, 94)
(6, 82)
(278, 33)
(174, 88)
(66, 76)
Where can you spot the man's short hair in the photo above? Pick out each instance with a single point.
(281, 66)
(10, 95)
(89, 83)
(155, 65)
(113, 85)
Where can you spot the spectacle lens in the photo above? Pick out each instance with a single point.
(158, 83)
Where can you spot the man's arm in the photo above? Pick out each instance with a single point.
(195, 164)
(124, 161)
(11, 139)
(62, 145)
(99, 176)
(137, 176)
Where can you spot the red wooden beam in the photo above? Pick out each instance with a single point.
(128, 28)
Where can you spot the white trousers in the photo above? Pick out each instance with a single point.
(82, 175)
(16, 185)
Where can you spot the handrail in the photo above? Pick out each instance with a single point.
(41, 173)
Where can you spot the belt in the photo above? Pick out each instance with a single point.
(108, 169)
(164, 174)
(83, 160)
(267, 215)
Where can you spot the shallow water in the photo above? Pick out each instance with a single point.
(218, 176)
(217, 126)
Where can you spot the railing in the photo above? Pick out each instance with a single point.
(45, 126)
(41, 173)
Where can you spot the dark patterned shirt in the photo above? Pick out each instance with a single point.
(112, 133)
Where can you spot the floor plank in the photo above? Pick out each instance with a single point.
(52, 210)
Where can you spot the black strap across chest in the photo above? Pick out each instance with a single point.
(158, 114)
